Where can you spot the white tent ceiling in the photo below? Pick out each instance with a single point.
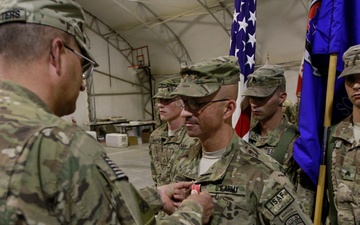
(178, 31)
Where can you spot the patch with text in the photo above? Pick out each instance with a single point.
(279, 202)
(294, 220)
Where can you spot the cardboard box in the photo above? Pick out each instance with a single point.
(145, 135)
(117, 140)
(133, 140)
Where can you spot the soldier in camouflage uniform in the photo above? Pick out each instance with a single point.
(169, 141)
(273, 133)
(248, 186)
(344, 150)
(53, 172)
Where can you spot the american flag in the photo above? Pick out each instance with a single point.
(242, 45)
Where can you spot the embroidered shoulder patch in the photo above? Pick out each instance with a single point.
(294, 220)
(279, 202)
(119, 174)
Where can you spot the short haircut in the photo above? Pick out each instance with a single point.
(27, 42)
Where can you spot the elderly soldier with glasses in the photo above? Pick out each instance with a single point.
(247, 186)
(53, 172)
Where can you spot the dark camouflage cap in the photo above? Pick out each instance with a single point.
(65, 15)
(166, 87)
(351, 60)
(206, 77)
(264, 81)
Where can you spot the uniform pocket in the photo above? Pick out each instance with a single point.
(231, 203)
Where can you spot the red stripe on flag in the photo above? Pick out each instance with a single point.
(243, 125)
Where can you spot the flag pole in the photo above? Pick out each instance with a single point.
(327, 124)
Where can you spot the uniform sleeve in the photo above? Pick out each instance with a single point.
(152, 197)
(304, 187)
(84, 186)
(279, 202)
(189, 212)
(152, 158)
(93, 189)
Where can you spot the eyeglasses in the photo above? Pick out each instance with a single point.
(87, 64)
(194, 105)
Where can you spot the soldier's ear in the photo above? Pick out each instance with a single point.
(229, 108)
(53, 58)
(55, 53)
(282, 97)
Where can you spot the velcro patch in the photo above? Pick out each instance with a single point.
(294, 220)
(119, 174)
(348, 172)
(279, 202)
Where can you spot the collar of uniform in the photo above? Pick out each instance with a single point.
(159, 133)
(188, 167)
(178, 136)
(344, 130)
(272, 137)
(219, 169)
(24, 92)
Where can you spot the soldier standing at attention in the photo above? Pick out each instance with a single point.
(272, 132)
(169, 141)
(343, 161)
(53, 172)
(247, 186)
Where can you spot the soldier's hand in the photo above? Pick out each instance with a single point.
(167, 193)
(204, 199)
(180, 195)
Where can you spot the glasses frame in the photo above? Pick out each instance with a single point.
(197, 106)
(87, 65)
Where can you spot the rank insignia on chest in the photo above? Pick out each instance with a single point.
(348, 173)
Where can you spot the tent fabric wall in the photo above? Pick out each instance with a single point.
(280, 37)
(112, 97)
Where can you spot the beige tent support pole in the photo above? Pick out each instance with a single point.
(327, 123)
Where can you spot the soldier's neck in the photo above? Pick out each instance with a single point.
(356, 114)
(270, 124)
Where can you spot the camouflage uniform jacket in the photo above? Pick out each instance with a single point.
(52, 172)
(303, 184)
(248, 187)
(345, 173)
(166, 151)
(268, 143)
